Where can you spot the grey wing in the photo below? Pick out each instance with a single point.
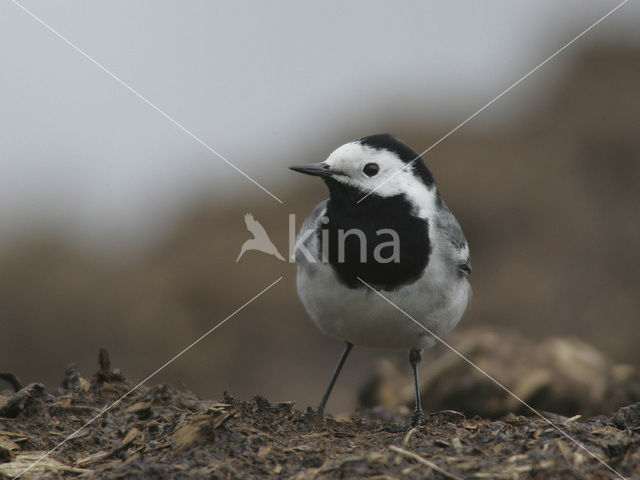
(451, 230)
(305, 237)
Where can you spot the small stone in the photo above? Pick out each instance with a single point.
(628, 417)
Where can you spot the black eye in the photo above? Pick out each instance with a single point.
(371, 169)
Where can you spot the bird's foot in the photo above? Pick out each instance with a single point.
(417, 419)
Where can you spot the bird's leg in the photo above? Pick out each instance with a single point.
(334, 377)
(417, 418)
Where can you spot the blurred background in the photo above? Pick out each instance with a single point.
(118, 230)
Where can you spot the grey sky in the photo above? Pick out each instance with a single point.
(266, 84)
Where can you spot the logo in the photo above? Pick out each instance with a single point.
(260, 240)
(383, 251)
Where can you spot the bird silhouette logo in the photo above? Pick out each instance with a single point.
(260, 240)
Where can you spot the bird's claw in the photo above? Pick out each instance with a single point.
(417, 419)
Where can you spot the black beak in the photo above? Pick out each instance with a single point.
(320, 169)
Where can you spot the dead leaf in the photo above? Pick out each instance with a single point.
(8, 447)
(138, 407)
(96, 457)
(24, 461)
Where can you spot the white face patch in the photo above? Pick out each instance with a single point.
(393, 178)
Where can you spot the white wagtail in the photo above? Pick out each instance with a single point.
(384, 225)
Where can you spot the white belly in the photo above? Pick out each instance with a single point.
(362, 317)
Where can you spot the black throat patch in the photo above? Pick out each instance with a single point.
(353, 255)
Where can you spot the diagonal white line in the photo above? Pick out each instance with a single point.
(169, 362)
(492, 379)
(504, 92)
(141, 97)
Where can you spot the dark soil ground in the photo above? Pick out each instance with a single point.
(160, 432)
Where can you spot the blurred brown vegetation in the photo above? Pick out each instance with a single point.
(549, 205)
(562, 375)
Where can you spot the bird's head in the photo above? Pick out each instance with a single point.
(377, 166)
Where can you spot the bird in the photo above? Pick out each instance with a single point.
(260, 240)
(384, 230)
